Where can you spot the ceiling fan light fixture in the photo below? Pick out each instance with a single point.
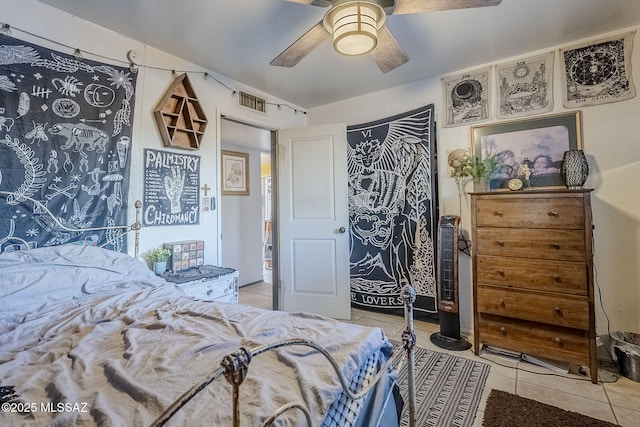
(355, 26)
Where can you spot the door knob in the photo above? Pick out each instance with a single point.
(342, 230)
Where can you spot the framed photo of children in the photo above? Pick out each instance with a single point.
(235, 173)
(531, 149)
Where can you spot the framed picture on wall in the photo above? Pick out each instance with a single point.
(539, 143)
(235, 173)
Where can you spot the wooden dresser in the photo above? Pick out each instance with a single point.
(533, 274)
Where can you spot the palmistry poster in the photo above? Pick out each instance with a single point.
(171, 188)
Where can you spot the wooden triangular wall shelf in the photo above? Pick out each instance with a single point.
(180, 117)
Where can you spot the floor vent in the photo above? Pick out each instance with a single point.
(252, 102)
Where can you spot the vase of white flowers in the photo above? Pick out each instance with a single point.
(478, 169)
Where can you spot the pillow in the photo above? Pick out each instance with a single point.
(62, 273)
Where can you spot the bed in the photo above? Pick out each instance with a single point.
(90, 336)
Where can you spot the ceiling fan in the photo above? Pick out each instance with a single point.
(358, 27)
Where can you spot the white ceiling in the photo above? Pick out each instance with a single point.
(238, 38)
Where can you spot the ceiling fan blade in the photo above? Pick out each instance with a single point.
(321, 3)
(388, 54)
(415, 6)
(301, 47)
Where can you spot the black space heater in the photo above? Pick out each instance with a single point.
(447, 278)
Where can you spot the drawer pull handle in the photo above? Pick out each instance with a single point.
(557, 278)
(501, 273)
(558, 310)
(500, 242)
(502, 304)
(499, 213)
(557, 340)
(554, 213)
(503, 330)
(555, 245)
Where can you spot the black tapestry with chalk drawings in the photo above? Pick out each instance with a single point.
(65, 142)
(393, 211)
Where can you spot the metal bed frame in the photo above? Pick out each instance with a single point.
(235, 366)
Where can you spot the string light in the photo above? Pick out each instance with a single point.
(6, 29)
(133, 66)
(132, 56)
(279, 107)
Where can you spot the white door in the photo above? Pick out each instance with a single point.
(314, 220)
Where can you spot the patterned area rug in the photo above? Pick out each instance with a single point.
(448, 388)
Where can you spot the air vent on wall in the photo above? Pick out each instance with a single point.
(252, 102)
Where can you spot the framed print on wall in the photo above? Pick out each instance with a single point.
(235, 173)
(539, 143)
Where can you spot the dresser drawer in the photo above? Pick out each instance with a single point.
(557, 213)
(561, 245)
(553, 276)
(566, 310)
(535, 339)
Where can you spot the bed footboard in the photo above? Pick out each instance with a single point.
(235, 366)
(409, 341)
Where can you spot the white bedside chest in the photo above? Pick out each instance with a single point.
(207, 282)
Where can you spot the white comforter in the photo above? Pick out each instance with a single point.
(117, 353)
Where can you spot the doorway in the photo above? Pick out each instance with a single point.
(246, 221)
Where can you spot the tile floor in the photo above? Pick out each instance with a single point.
(615, 401)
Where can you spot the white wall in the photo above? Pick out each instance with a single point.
(612, 143)
(60, 27)
(242, 223)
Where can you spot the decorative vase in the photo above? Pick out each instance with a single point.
(159, 267)
(574, 169)
(481, 184)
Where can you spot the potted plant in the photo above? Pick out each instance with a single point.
(480, 170)
(159, 258)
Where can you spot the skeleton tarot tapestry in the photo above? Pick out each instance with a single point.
(393, 211)
(65, 137)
